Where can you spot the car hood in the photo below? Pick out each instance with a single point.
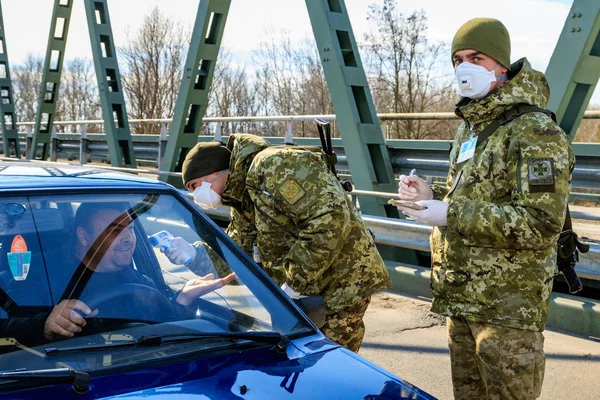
(335, 374)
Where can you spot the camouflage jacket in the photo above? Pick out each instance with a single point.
(207, 261)
(494, 262)
(308, 232)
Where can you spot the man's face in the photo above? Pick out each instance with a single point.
(476, 58)
(218, 183)
(120, 252)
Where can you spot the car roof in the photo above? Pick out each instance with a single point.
(22, 175)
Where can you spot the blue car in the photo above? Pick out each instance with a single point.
(114, 286)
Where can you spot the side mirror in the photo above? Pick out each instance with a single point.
(313, 307)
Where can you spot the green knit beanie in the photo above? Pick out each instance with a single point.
(486, 35)
(204, 159)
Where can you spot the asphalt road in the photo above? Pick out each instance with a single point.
(406, 339)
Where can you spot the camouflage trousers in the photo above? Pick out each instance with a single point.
(495, 362)
(347, 327)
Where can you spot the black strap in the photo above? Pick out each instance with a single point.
(324, 129)
(568, 224)
(507, 116)
(568, 230)
(488, 131)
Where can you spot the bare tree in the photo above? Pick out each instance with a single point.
(152, 64)
(290, 80)
(78, 99)
(589, 131)
(313, 96)
(286, 77)
(26, 80)
(231, 94)
(405, 69)
(276, 60)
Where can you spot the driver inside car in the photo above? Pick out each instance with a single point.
(105, 243)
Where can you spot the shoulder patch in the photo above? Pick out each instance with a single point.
(291, 191)
(540, 171)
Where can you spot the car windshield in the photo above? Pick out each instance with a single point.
(146, 265)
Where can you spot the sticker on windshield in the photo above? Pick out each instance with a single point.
(14, 209)
(19, 258)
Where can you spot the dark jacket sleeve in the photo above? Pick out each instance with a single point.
(27, 329)
(242, 230)
(207, 261)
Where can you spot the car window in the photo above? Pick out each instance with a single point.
(21, 264)
(145, 264)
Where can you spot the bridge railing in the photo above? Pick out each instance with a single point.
(429, 157)
(411, 235)
(402, 233)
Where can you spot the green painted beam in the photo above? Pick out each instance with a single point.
(48, 96)
(363, 139)
(422, 144)
(114, 113)
(8, 116)
(570, 313)
(586, 149)
(190, 106)
(574, 68)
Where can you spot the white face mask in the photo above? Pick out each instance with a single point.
(474, 81)
(205, 197)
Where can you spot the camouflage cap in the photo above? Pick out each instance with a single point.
(204, 159)
(486, 35)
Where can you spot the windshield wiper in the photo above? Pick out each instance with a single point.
(79, 379)
(280, 341)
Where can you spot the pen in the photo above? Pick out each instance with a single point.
(412, 173)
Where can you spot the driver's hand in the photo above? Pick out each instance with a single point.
(180, 252)
(201, 286)
(65, 320)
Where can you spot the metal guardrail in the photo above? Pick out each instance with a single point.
(430, 158)
(588, 114)
(354, 194)
(411, 235)
(414, 236)
(395, 232)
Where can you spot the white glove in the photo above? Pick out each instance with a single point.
(180, 252)
(413, 188)
(435, 215)
(289, 291)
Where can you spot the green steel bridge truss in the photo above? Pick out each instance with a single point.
(573, 73)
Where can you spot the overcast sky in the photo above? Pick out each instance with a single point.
(534, 25)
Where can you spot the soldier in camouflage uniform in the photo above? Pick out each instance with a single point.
(311, 239)
(496, 221)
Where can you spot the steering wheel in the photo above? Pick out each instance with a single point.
(148, 299)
